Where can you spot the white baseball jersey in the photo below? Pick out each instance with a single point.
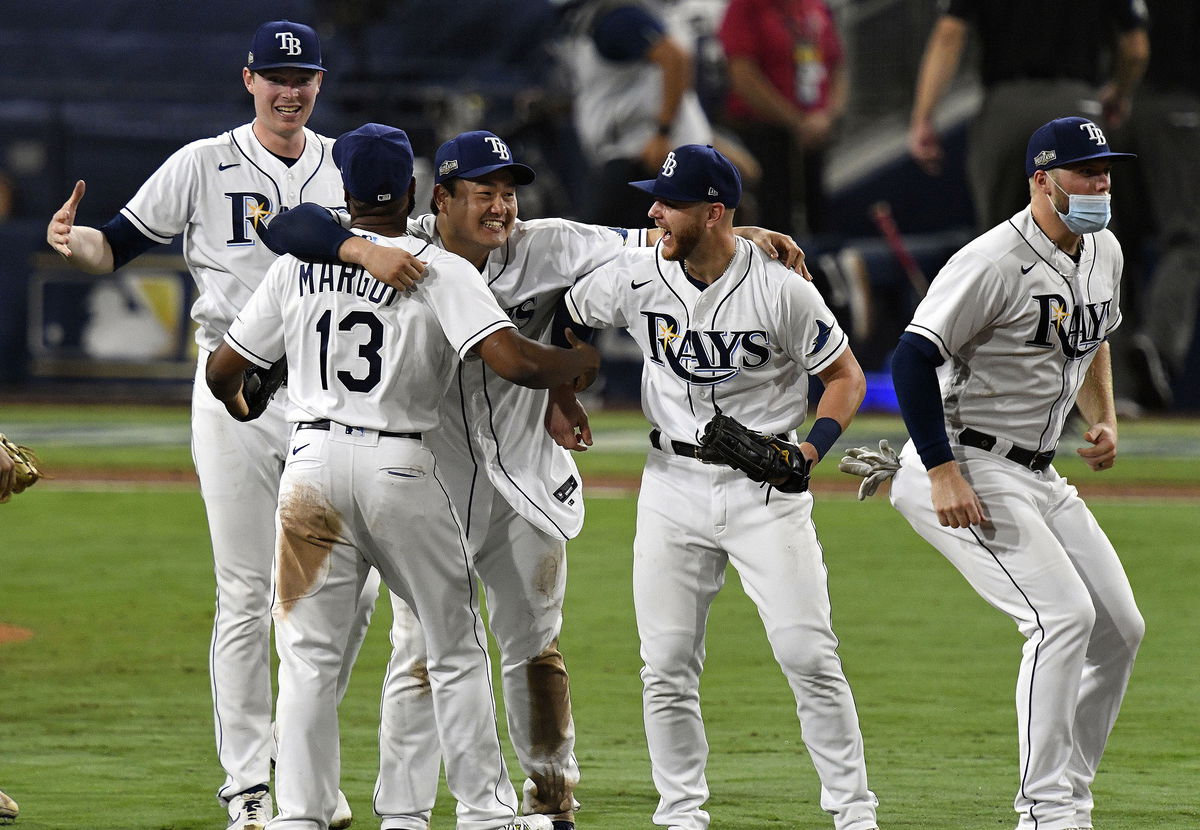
(359, 352)
(746, 343)
(528, 275)
(1018, 322)
(220, 246)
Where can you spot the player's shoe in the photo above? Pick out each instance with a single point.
(537, 821)
(564, 824)
(8, 809)
(342, 817)
(250, 810)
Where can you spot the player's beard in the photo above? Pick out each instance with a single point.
(683, 241)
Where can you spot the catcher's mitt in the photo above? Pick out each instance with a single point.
(259, 385)
(25, 471)
(874, 467)
(763, 458)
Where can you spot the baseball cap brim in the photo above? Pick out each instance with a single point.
(655, 189)
(266, 66)
(1104, 155)
(521, 173)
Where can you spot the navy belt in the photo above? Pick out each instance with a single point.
(324, 425)
(1037, 461)
(676, 447)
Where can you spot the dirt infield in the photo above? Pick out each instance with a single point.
(13, 633)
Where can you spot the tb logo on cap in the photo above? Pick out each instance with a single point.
(1094, 133)
(668, 168)
(288, 42)
(498, 147)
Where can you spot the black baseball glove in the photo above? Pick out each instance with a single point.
(259, 385)
(763, 458)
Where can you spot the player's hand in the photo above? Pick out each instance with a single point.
(778, 246)
(925, 147)
(655, 152)
(393, 266)
(58, 233)
(1114, 106)
(591, 361)
(567, 421)
(954, 500)
(1103, 452)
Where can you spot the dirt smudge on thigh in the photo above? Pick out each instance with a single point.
(310, 527)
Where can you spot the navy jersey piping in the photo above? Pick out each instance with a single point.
(254, 164)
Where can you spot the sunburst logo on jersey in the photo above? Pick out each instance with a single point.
(1060, 315)
(259, 213)
(667, 334)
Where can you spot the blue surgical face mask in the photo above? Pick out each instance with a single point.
(1085, 214)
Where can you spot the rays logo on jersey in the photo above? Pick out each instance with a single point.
(1079, 331)
(248, 209)
(703, 357)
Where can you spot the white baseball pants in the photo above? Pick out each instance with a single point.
(349, 502)
(239, 465)
(693, 520)
(524, 572)
(1046, 563)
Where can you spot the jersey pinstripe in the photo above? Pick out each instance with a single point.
(359, 352)
(213, 191)
(497, 425)
(746, 343)
(1018, 322)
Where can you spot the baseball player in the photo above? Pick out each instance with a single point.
(518, 493)
(215, 191)
(1012, 334)
(724, 329)
(360, 488)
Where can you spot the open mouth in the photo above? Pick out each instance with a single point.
(288, 109)
(494, 225)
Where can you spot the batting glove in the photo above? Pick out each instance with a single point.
(874, 466)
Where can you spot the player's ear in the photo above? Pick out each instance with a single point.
(440, 195)
(716, 212)
(248, 79)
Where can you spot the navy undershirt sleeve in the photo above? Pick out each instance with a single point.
(307, 231)
(126, 241)
(627, 33)
(562, 321)
(914, 374)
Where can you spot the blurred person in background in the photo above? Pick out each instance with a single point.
(1155, 212)
(1038, 61)
(787, 92)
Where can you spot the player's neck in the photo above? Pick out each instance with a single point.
(707, 264)
(389, 226)
(288, 145)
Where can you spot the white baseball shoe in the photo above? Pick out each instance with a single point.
(8, 809)
(342, 817)
(250, 810)
(537, 821)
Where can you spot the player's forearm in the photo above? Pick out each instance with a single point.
(845, 388)
(526, 362)
(676, 67)
(752, 86)
(90, 250)
(1095, 399)
(223, 373)
(938, 66)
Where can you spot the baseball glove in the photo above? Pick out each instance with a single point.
(875, 467)
(764, 458)
(259, 385)
(25, 471)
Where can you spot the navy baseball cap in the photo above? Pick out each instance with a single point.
(376, 162)
(474, 154)
(696, 173)
(1065, 141)
(283, 43)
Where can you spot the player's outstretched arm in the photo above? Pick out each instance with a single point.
(85, 248)
(223, 373)
(567, 421)
(1096, 403)
(526, 362)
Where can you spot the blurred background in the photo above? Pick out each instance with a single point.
(105, 92)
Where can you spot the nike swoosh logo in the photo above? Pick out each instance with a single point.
(297, 449)
(635, 285)
(1027, 270)
(227, 166)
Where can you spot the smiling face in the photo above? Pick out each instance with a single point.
(283, 99)
(475, 216)
(682, 224)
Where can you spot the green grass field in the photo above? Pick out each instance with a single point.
(105, 718)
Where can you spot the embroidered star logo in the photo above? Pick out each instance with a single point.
(259, 213)
(667, 333)
(1060, 315)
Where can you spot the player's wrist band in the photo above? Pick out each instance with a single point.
(822, 435)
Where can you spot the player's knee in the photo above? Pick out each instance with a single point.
(672, 665)
(806, 655)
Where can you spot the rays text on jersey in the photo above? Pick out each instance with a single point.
(1079, 331)
(704, 357)
(343, 279)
